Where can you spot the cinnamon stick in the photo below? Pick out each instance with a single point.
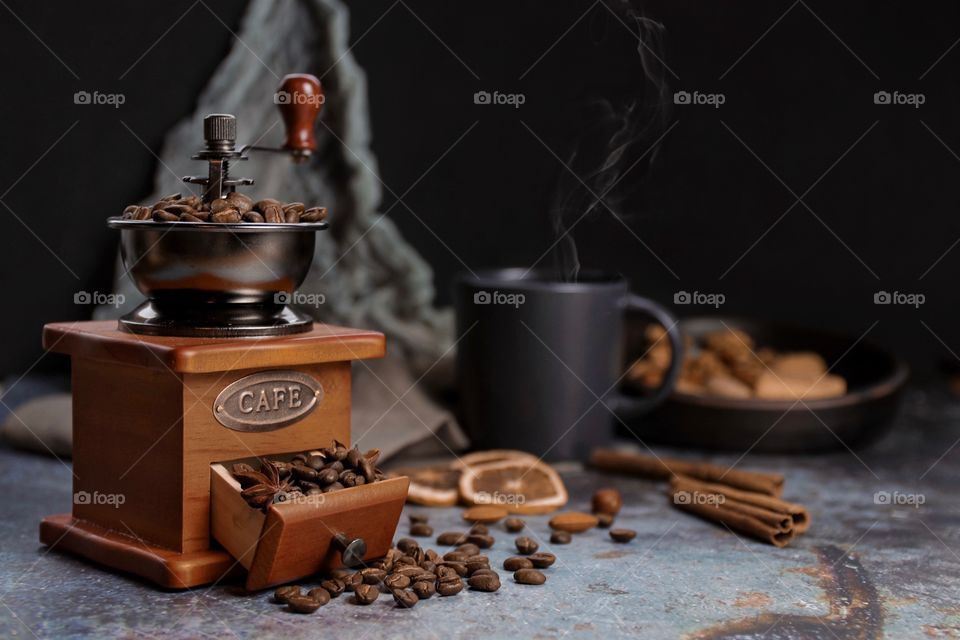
(798, 514)
(646, 466)
(720, 504)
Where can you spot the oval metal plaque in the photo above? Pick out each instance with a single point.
(267, 400)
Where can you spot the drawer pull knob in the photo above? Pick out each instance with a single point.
(351, 550)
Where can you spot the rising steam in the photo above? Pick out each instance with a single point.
(616, 151)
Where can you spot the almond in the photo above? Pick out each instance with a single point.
(487, 514)
(573, 521)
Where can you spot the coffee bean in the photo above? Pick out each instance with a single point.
(314, 214)
(397, 581)
(336, 486)
(163, 216)
(485, 572)
(408, 570)
(365, 594)
(352, 581)
(281, 595)
(303, 472)
(372, 575)
(407, 545)
(450, 586)
(514, 563)
(189, 217)
(526, 545)
(327, 476)
(336, 465)
(451, 538)
(482, 541)
(560, 537)
(143, 213)
(221, 204)
(480, 529)
(622, 535)
(484, 582)
(302, 604)
(405, 599)
(469, 548)
(529, 576)
(514, 525)
(424, 589)
(542, 560)
(604, 520)
(455, 556)
(240, 202)
(333, 586)
(227, 216)
(418, 518)
(253, 216)
(273, 214)
(475, 565)
(428, 565)
(321, 595)
(298, 208)
(421, 529)
(459, 567)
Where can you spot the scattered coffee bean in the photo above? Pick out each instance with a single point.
(281, 595)
(469, 548)
(352, 581)
(481, 540)
(451, 538)
(424, 589)
(321, 595)
(526, 545)
(560, 537)
(514, 525)
(480, 529)
(450, 586)
(302, 604)
(542, 560)
(421, 530)
(405, 599)
(407, 545)
(573, 522)
(607, 501)
(333, 586)
(397, 581)
(418, 518)
(514, 563)
(529, 576)
(622, 535)
(365, 594)
(484, 582)
(372, 575)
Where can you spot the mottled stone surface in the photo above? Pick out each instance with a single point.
(680, 576)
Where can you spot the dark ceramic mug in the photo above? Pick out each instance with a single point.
(539, 359)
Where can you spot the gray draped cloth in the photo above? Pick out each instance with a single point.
(369, 276)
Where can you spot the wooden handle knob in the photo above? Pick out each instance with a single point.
(299, 99)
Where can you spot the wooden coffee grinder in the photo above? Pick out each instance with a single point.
(212, 369)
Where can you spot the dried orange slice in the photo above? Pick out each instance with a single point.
(491, 455)
(434, 486)
(520, 485)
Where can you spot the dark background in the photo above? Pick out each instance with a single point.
(800, 98)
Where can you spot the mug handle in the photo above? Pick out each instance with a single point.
(631, 406)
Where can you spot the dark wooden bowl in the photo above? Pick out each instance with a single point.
(874, 377)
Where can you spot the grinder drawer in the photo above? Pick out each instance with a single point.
(295, 539)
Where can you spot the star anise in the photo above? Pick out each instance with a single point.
(260, 488)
